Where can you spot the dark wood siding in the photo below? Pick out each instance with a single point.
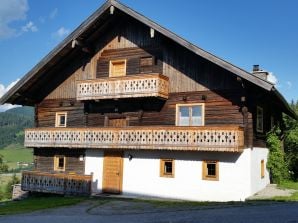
(47, 112)
(44, 160)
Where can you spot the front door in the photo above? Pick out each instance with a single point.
(112, 172)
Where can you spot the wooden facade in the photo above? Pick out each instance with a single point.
(135, 108)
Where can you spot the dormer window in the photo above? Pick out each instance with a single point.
(117, 68)
(61, 119)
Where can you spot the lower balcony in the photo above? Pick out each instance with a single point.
(203, 138)
(56, 183)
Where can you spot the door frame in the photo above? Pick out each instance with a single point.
(121, 153)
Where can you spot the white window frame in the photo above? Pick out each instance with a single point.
(260, 126)
(190, 105)
(58, 116)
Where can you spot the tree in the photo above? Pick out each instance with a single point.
(291, 142)
(276, 161)
(3, 167)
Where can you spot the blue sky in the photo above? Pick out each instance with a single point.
(241, 32)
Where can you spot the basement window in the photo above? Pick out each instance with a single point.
(59, 163)
(210, 170)
(61, 118)
(167, 168)
(260, 118)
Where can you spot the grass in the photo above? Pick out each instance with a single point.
(16, 153)
(288, 185)
(38, 203)
(4, 180)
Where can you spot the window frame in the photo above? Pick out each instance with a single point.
(117, 61)
(58, 119)
(205, 175)
(262, 168)
(162, 168)
(56, 163)
(190, 105)
(258, 123)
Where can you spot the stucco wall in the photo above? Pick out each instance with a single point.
(258, 183)
(239, 174)
(94, 166)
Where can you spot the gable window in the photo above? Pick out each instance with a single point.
(117, 68)
(61, 118)
(210, 170)
(190, 114)
(146, 64)
(59, 163)
(262, 168)
(167, 168)
(260, 117)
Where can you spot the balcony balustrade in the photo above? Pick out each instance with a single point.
(57, 183)
(202, 138)
(145, 85)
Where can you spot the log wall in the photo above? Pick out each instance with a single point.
(44, 160)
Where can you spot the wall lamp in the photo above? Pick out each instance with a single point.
(130, 157)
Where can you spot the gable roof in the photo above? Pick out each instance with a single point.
(15, 94)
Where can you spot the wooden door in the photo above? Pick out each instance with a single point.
(112, 172)
(117, 122)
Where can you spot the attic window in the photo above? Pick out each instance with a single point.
(146, 64)
(117, 68)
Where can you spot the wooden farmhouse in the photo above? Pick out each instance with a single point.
(123, 105)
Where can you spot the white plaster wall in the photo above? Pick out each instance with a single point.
(258, 183)
(94, 165)
(141, 175)
(239, 174)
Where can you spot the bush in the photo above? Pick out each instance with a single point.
(276, 161)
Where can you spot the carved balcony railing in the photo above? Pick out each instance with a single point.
(56, 183)
(204, 138)
(146, 85)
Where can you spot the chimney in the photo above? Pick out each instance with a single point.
(259, 72)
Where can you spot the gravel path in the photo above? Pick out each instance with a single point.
(271, 191)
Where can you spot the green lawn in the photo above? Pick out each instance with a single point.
(16, 153)
(37, 203)
(289, 185)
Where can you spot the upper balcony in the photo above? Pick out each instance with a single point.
(202, 138)
(145, 85)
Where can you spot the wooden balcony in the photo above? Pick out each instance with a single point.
(203, 138)
(56, 183)
(145, 85)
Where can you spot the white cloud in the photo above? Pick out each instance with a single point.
(60, 33)
(273, 79)
(53, 13)
(29, 27)
(3, 90)
(289, 84)
(11, 10)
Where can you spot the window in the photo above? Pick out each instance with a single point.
(210, 170)
(117, 68)
(167, 168)
(262, 169)
(59, 163)
(146, 64)
(259, 119)
(272, 121)
(190, 115)
(61, 118)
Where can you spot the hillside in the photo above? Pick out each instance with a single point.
(12, 124)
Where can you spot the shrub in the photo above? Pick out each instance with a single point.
(276, 161)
